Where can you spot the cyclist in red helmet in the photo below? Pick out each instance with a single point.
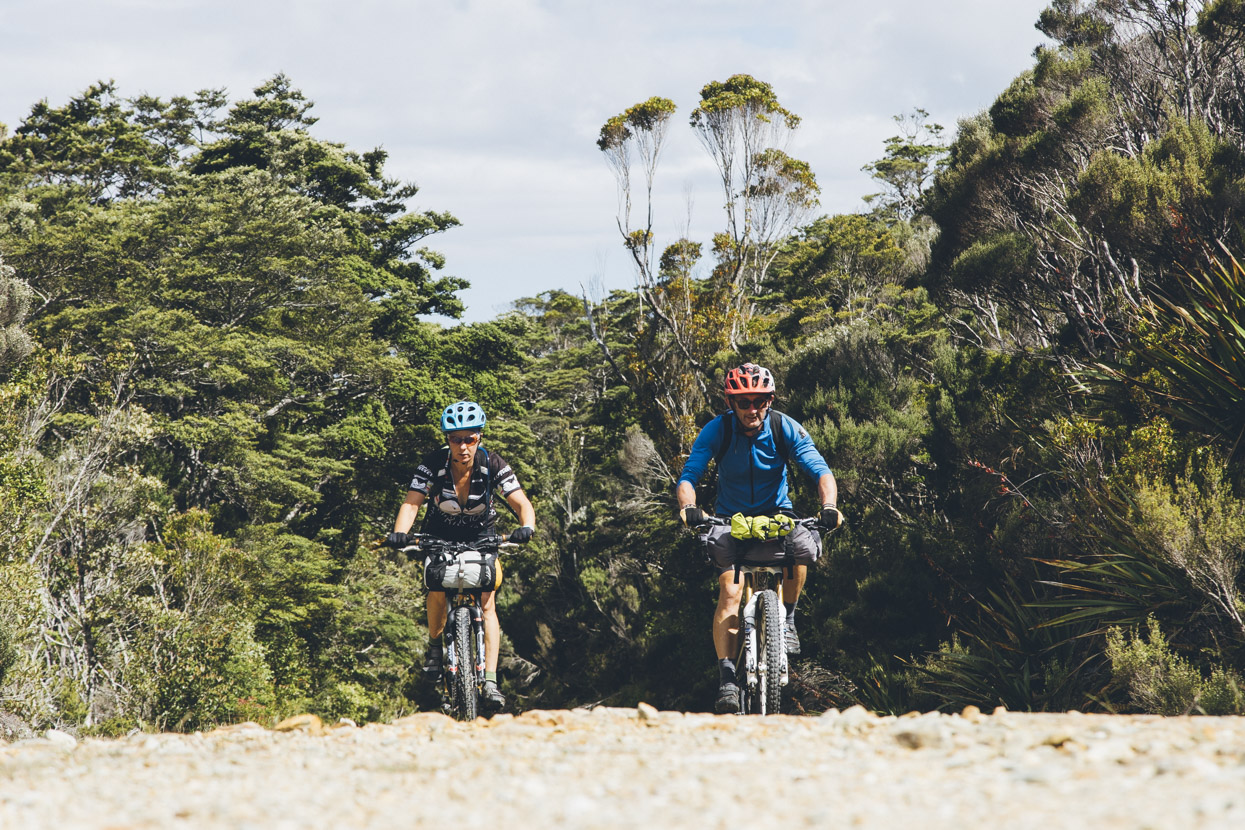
(752, 446)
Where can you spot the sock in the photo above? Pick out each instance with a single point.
(434, 647)
(490, 675)
(790, 606)
(726, 670)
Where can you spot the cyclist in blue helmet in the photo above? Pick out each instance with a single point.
(457, 482)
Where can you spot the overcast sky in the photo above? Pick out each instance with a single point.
(493, 106)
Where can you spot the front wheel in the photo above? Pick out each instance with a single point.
(769, 653)
(464, 683)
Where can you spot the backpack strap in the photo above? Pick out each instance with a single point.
(780, 437)
(482, 463)
(728, 433)
(435, 489)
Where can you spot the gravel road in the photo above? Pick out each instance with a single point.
(613, 768)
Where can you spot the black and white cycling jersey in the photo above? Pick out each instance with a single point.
(446, 516)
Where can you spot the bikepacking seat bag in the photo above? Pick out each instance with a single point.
(465, 571)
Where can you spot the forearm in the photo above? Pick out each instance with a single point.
(685, 494)
(408, 512)
(828, 490)
(522, 505)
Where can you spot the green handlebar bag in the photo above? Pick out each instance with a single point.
(741, 526)
(761, 527)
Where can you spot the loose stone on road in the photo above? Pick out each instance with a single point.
(608, 768)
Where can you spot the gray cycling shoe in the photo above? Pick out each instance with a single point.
(491, 697)
(792, 639)
(728, 699)
(432, 664)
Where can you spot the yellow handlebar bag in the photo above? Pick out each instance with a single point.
(741, 526)
(761, 527)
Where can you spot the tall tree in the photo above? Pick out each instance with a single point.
(687, 322)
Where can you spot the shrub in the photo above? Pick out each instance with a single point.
(1159, 681)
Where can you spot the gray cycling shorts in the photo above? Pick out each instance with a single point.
(723, 548)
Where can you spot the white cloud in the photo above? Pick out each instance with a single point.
(493, 106)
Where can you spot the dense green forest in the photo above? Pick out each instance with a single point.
(1025, 364)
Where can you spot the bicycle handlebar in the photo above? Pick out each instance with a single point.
(723, 521)
(425, 542)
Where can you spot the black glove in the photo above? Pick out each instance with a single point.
(397, 540)
(693, 516)
(831, 518)
(522, 535)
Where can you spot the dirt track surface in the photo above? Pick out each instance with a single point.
(613, 768)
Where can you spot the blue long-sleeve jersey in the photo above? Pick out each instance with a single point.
(752, 475)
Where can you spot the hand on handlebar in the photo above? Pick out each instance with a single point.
(522, 535)
(831, 518)
(397, 540)
(692, 516)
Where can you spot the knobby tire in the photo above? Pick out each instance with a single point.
(769, 648)
(465, 703)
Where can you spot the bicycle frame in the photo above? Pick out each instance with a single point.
(456, 599)
(756, 578)
(756, 685)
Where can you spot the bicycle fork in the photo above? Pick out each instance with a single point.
(452, 645)
(748, 628)
(477, 629)
(756, 669)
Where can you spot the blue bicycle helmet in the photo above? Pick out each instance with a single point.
(462, 415)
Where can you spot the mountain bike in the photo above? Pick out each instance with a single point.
(461, 565)
(761, 669)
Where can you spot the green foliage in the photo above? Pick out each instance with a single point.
(8, 650)
(1159, 681)
(193, 486)
(648, 117)
(1221, 20)
(910, 162)
(235, 297)
(1169, 550)
(15, 300)
(220, 676)
(1090, 177)
(1073, 23)
(1188, 177)
(739, 94)
(1197, 366)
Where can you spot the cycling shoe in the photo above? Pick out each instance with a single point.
(792, 639)
(728, 699)
(491, 698)
(432, 667)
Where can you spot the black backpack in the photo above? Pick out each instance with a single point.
(775, 426)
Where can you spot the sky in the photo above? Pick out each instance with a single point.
(493, 107)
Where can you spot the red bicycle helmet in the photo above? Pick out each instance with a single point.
(748, 379)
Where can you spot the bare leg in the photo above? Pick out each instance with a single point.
(792, 587)
(726, 616)
(436, 605)
(492, 630)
